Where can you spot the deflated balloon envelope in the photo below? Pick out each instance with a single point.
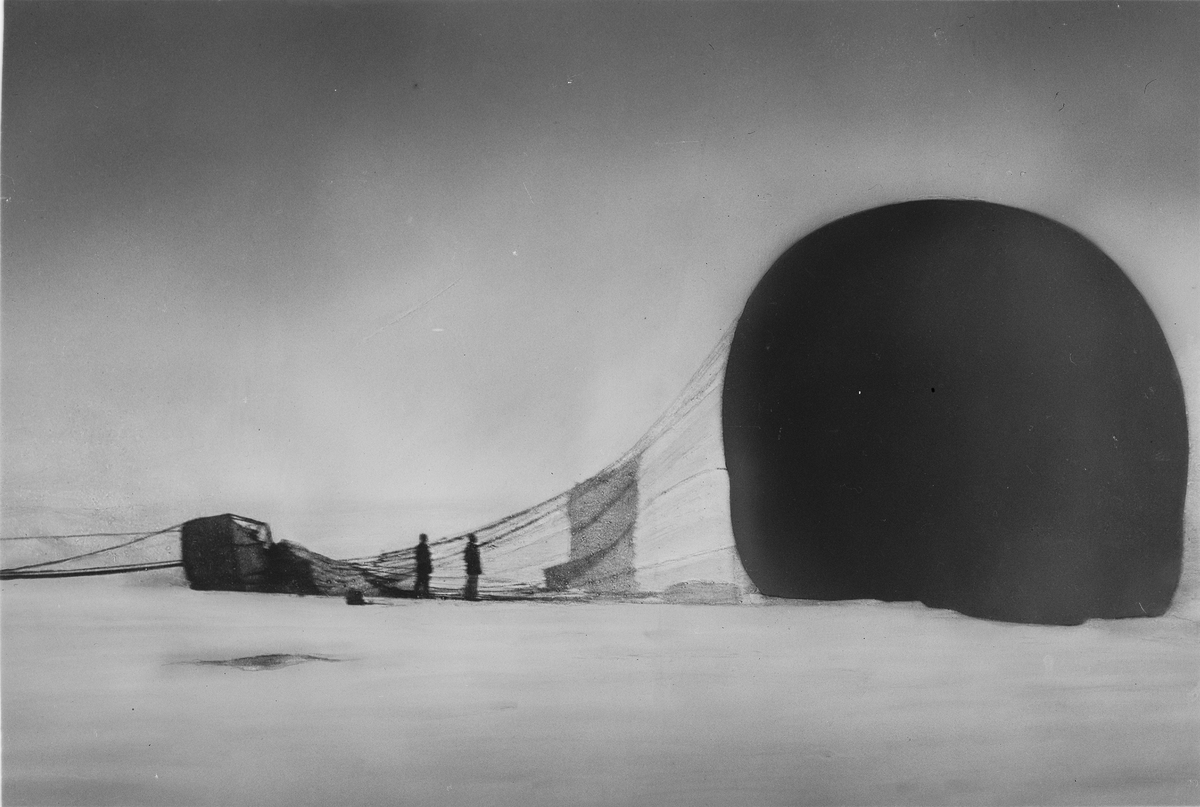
(960, 403)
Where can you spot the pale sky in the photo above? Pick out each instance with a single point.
(412, 267)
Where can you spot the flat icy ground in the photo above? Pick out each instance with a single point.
(438, 703)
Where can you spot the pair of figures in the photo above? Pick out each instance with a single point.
(425, 567)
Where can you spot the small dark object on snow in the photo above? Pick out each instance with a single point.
(355, 597)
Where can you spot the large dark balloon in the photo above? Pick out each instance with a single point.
(959, 403)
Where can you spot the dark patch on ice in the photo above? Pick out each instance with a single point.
(268, 661)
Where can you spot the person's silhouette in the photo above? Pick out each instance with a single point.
(424, 567)
(474, 568)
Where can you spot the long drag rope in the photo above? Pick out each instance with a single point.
(141, 537)
(90, 571)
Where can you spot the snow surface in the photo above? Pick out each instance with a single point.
(454, 703)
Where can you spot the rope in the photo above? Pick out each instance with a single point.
(75, 535)
(12, 574)
(142, 537)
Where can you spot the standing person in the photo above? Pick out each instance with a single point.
(424, 567)
(474, 568)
